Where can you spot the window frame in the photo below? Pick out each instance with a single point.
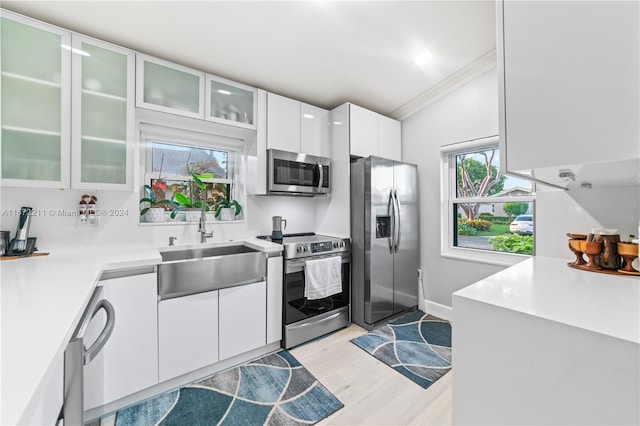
(449, 198)
(150, 133)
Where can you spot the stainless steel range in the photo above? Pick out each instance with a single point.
(305, 319)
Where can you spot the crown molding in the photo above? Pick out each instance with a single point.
(464, 75)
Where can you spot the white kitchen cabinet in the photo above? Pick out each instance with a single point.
(36, 103)
(242, 319)
(187, 333)
(371, 133)
(283, 123)
(314, 130)
(363, 131)
(231, 103)
(168, 87)
(103, 115)
(296, 127)
(274, 299)
(389, 138)
(569, 88)
(128, 362)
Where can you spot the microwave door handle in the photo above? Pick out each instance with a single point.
(320, 176)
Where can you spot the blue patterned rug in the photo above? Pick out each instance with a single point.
(273, 390)
(417, 345)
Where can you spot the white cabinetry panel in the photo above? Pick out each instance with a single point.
(283, 123)
(128, 362)
(242, 319)
(274, 299)
(187, 333)
(314, 130)
(570, 92)
(389, 138)
(363, 131)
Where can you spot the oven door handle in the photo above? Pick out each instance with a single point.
(297, 265)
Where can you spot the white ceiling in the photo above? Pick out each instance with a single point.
(321, 52)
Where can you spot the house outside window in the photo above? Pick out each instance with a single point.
(171, 155)
(487, 216)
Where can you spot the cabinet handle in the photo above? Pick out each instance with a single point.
(97, 346)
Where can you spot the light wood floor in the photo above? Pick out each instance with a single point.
(372, 392)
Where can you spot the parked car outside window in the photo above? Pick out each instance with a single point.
(522, 225)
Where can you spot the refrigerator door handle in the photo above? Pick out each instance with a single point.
(392, 213)
(397, 220)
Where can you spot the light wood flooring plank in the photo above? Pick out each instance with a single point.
(372, 392)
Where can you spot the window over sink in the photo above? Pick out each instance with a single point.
(171, 155)
(487, 216)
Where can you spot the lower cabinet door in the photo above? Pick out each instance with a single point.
(243, 322)
(128, 362)
(187, 333)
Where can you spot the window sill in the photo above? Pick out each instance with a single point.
(491, 258)
(178, 222)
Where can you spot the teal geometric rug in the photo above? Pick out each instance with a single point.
(416, 345)
(273, 390)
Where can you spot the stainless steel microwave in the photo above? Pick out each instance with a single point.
(294, 173)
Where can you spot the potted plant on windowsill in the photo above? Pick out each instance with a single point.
(227, 209)
(154, 208)
(191, 205)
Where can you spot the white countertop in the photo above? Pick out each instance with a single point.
(42, 300)
(547, 288)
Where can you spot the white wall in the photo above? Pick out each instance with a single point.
(578, 211)
(468, 113)
(54, 230)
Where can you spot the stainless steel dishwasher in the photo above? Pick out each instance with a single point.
(76, 356)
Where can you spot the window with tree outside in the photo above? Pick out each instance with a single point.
(175, 156)
(487, 215)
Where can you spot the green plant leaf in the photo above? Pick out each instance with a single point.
(143, 211)
(182, 199)
(147, 200)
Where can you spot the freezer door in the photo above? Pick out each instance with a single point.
(407, 252)
(379, 259)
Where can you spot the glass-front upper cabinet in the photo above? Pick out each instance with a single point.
(103, 115)
(36, 79)
(229, 102)
(169, 87)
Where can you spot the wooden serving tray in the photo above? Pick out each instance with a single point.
(26, 255)
(602, 271)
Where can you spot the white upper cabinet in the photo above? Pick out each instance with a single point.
(569, 89)
(103, 115)
(283, 123)
(389, 138)
(168, 87)
(36, 103)
(296, 127)
(373, 134)
(231, 103)
(314, 130)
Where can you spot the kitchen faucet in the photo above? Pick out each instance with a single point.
(202, 226)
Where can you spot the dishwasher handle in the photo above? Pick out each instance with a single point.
(97, 346)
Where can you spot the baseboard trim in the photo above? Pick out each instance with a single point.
(438, 310)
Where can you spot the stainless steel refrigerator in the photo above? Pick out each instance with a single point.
(385, 232)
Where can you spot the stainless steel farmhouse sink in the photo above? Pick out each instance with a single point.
(199, 269)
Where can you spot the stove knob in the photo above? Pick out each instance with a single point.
(336, 245)
(305, 249)
(299, 249)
